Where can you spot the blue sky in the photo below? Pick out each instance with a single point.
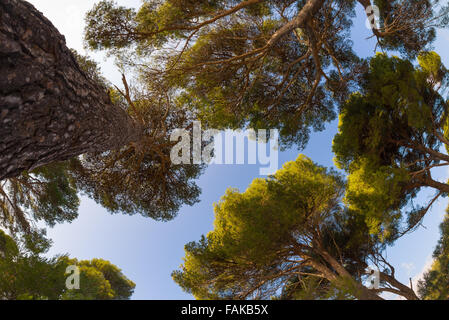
(148, 251)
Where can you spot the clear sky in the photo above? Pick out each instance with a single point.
(148, 251)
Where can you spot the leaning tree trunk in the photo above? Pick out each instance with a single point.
(49, 109)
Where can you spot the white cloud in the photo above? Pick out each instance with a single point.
(420, 275)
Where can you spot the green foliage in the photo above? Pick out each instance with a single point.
(376, 195)
(26, 275)
(113, 19)
(291, 236)
(413, 18)
(256, 246)
(387, 141)
(99, 280)
(91, 68)
(46, 194)
(262, 92)
(313, 288)
(140, 178)
(435, 283)
(23, 269)
(230, 68)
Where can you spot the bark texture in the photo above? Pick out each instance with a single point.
(50, 110)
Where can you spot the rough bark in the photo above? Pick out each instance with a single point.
(403, 290)
(361, 292)
(50, 110)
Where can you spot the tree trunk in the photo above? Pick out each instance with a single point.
(49, 109)
(361, 292)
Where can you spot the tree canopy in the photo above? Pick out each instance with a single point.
(99, 280)
(283, 236)
(25, 274)
(46, 194)
(435, 282)
(390, 138)
(140, 177)
(263, 64)
(306, 232)
(136, 179)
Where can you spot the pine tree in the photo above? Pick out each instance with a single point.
(25, 274)
(283, 236)
(435, 282)
(50, 109)
(256, 63)
(390, 138)
(55, 106)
